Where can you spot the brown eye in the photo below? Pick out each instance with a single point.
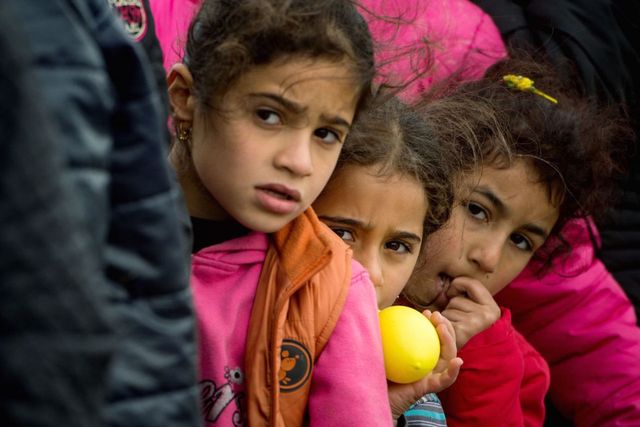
(477, 211)
(343, 234)
(521, 242)
(327, 136)
(268, 116)
(398, 247)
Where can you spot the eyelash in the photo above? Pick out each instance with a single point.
(408, 247)
(335, 134)
(472, 205)
(265, 111)
(341, 231)
(261, 114)
(529, 247)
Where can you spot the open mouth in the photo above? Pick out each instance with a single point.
(445, 282)
(281, 192)
(278, 194)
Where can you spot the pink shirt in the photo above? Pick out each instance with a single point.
(348, 383)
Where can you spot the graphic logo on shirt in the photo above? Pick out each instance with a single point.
(214, 400)
(295, 365)
(133, 15)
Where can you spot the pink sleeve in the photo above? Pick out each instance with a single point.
(349, 386)
(497, 383)
(584, 325)
(172, 19)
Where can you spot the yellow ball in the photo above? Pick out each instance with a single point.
(410, 344)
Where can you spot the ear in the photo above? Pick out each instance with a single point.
(180, 83)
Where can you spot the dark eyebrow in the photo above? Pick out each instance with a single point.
(299, 109)
(495, 200)
(336, 121)
(341, 220)
(355, 223)
(534, 229)
(407, 236)
(499, 204)
(286, 103)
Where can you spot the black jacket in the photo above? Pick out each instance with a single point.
(97, 86)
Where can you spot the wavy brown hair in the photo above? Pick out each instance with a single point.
(401, 141)
(228, 37)
(574, 146)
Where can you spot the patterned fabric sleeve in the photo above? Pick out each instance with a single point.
(425, 412)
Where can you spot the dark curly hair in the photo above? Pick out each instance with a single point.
(398, 139)
(228, 37)
(574, 146)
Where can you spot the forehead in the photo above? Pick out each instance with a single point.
(517, 187)
(358, 192)
(302, 78)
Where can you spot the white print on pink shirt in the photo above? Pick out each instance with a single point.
(214, 400)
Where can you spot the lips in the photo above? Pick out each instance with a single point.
(278, 198)
(281, 191)
(439, 302)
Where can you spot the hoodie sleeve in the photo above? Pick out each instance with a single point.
(502, 382)
(349, 383)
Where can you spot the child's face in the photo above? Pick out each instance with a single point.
(381, 218)
(501, 217)
(268, 156)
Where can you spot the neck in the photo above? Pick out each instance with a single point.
(199, 200)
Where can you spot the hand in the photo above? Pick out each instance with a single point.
(471, 308)
(402, 396)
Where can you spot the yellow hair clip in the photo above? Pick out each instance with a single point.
(525, 84)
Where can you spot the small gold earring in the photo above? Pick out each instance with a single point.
(183, 132)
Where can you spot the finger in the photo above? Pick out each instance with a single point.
(455, 316)
(449, 376)
(465, 305)
(448, 349)
(472, 288)
(427, 313)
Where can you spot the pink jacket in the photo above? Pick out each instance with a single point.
(461, 40)
(172, 18)
(349, 370)
(582, 322)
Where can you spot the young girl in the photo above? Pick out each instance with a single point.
(557, 166)
(262, 104)
(391, 187)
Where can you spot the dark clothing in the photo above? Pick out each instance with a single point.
(96, 84)
(139, 24)
(600, 38)
(55, 341)
(207, 232)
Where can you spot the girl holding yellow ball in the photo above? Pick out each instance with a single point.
(390, 189)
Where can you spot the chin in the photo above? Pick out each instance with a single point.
(268, 225)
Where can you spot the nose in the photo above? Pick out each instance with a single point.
(486, 254)
(295, 153)
(371, 262)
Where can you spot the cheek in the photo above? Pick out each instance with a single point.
(507, 273)
(397, 276)
(324, 162)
